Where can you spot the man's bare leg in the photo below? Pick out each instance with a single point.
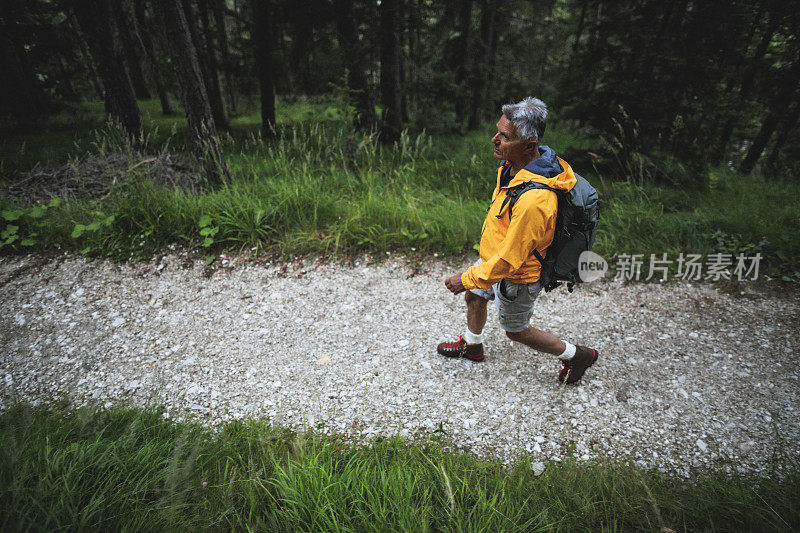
(476, 312)
(573, 369)
(469, 345)
(538, 340)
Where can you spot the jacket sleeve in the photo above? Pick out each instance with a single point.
(531, 226)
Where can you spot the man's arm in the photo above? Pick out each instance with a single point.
(532, 223)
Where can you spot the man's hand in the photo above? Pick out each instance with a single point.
(454, 284)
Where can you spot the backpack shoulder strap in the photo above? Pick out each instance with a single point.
(514, 193)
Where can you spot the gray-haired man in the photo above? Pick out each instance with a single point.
(508, 270)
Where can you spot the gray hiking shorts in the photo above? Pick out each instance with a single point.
(514, 302)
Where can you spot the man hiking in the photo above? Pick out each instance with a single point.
(508, 269)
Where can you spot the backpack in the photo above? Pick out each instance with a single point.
(576, 226)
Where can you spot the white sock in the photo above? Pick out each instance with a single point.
(471, 338)
(569, 352)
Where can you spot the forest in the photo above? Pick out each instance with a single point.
(342, 125)
(669, 89)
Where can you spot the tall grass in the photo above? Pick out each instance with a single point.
(737, 215)
(317, 188)
(131, 470)
(321, 187)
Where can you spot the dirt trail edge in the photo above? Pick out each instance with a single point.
(690, 375)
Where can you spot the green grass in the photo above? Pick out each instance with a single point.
(132, 470)
(72, 132)
(323, 188)
(737, 215)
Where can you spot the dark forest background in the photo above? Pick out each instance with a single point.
(667, 89)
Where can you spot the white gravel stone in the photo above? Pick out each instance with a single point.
(353, 349)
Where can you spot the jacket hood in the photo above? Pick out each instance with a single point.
(548, 169)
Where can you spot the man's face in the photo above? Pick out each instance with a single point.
(506, 143)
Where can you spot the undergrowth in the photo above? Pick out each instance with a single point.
(321, 187)
(124, 469)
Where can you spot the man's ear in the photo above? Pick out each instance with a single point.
(530, 147)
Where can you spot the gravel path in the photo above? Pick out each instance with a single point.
(689, 376)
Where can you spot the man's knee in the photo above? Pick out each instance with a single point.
(517, 335)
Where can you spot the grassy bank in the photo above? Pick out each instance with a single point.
(325, 189)
(130, 470)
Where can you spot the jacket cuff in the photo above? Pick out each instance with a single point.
(470, 282)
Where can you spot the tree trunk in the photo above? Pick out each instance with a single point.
(747, 83)
(20, 92)
(65, 88)
(208, 68)
(263, 32)
(193, 92)
(463, 64)
(784, 130)
(240, 27)
(484, 67)
(352, 54)
(88, 61)
(129, 48)
(403, 39)
(736, 69)
(215, 80)
(299, 51)
(392, 122)
(759, 143)
(579, 29)
(94, 17)
(544, 54)
(152, 64)
(415, 41)
(218, 10)
(787, 96)
(596, 40)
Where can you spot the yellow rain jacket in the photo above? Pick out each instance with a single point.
(506, 247)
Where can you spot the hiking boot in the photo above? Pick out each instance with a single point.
(460, 348)
(573, 369)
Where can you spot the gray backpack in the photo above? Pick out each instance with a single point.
(576, 227)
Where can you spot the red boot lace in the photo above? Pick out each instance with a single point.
(456, 344)
(565, 369)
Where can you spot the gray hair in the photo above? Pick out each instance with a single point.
(529, 117)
